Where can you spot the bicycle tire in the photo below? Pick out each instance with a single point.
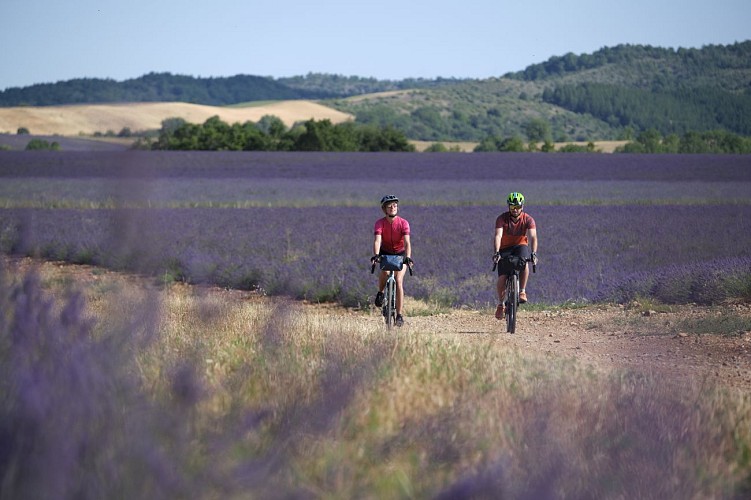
(512, 303)
(390, 304)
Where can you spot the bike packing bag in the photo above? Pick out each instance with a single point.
(392, 262)
(511, 263)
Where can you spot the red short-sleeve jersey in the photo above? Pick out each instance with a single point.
(392, 234)
(514, 233)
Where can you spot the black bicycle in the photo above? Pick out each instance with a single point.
(390, 264)
(511, 301)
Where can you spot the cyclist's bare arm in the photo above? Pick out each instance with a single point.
(532, 237)
(407, 247)
(497, 240)
(376, 244)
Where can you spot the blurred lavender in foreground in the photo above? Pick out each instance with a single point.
(73, 420)
(76, 420)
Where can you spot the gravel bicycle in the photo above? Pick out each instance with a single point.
(390, 264)
(511, 301)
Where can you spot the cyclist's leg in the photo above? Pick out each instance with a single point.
(399, 276)
(501, 288)
(502, 270)
(523, 277)
(382, 277)
(523, 251)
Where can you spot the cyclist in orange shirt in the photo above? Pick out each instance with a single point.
(515, 234)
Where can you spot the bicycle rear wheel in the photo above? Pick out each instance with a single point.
(512, 302)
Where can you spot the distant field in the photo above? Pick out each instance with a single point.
(90, 119)
(602, 146)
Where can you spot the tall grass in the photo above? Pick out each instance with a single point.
(206, 395)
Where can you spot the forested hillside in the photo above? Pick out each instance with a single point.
(614, 93)
(646, 87)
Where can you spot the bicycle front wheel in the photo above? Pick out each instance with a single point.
(512, 303)
(390, 304)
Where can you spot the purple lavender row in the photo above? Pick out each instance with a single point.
(445, 166)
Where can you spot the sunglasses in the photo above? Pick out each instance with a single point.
(516, 207)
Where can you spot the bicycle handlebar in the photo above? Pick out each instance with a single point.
(534, 266)
(409, 265)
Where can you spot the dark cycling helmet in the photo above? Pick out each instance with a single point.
(515, 199)
(388, 199)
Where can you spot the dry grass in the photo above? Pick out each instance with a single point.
(464, 147)
(90, 119)
(602, 146)
(320, 401)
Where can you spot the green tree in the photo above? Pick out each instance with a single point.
(512, 145)
(488, 145)
(42, 145)
(169, 125)
(547, 146)
(272, 125)
(394, 140)
(323, 136)
(436, 147)
(214, 135)
(651, 140)
(537, 130)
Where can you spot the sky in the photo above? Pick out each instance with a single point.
(46, 41)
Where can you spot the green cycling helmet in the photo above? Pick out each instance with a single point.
(515, 199)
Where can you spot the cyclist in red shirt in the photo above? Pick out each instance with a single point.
(391, 237)
(515, 234)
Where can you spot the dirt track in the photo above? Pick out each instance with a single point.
(604, 337)
(615, 337)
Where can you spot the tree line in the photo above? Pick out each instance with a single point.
(157, 87)
(271, 134)
(649, 141)
(690, 63)
(712, 141)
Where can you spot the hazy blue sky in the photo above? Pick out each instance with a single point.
(46, 41)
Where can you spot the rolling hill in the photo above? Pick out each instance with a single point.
(612, 94)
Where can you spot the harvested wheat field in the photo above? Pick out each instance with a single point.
(90, 119)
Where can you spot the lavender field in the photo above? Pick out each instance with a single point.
(612, 227)
(114, 388)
